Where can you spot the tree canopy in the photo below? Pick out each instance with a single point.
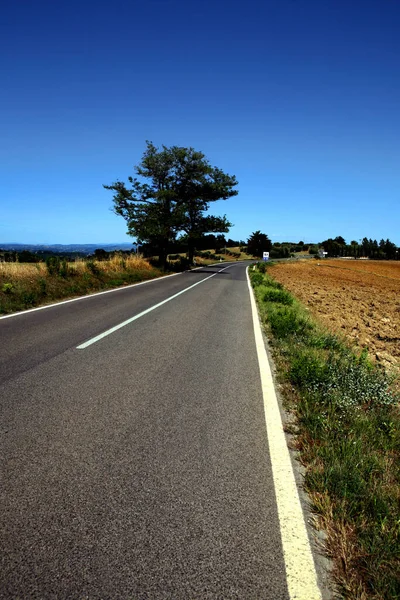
(258, 243)
(367, 248)
(172, 194)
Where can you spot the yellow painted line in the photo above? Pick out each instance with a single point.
(299, 563)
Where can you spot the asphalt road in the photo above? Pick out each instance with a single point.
(138, 467)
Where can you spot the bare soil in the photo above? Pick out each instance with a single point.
(356, 298)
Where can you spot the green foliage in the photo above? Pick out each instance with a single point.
(173, 194)
(182, 264)
(101, 254)
(272, 283)
(353, 382)
(92, 267)
(58, 266)
(279, 252)
(324, 340)
(7, 288)
(64, 268)
(279, 296)
(258, 243)
(53, 265)
(262, 267)
(42, 286)
(307, 370)
(368, 248)
(29, 299)
(26, 256)
(286, 321)
(256, 278)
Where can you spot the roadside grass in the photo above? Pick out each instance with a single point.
(348, 436)
(26, 285)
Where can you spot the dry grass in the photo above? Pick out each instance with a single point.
(14, 271)
(117, 264)
(24, 285)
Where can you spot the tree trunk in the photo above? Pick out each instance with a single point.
(191, 250)
(163, 255)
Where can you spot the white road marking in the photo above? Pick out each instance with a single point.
(300, 569)
(118, 289)
(145, 312)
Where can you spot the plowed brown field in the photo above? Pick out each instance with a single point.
(360, 299)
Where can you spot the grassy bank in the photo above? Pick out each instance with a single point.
(348, 437)
(26, 285)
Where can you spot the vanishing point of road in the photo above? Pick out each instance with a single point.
(135, 458)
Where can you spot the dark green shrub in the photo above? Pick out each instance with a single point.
(7, 288)
(92, 267)
(53, 265)
(182, 264)
(64, 269)
(277, 295)
(273, 284)
(256, 278)
(325, 341)
(285, 321)
(262, 267)
(42, 286)
(307, 371)
(28, 299)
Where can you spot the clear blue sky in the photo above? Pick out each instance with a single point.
(300, 99)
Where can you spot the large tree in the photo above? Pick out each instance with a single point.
(258, 243)
(171, 195)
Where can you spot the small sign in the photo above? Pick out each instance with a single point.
(265, 255)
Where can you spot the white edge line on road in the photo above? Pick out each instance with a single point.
(118, 289)
(145, 312)
(300, 569)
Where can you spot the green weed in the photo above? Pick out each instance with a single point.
(278, 295)
(256, 278)
(7, 288)
(286, 322)
(92, 267)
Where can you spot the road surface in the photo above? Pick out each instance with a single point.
(137, 466)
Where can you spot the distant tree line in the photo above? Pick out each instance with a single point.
(335, 247)
(366, 248)
(23, 256)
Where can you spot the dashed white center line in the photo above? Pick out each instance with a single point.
(144, 312)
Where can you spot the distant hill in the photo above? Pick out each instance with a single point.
(66, 248)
